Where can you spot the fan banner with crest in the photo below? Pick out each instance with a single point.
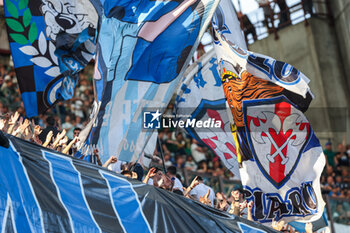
(281, 159)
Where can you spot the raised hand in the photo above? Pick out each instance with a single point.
(235, 205)
(223, 203)
(250, 205)
(152, 172)
(27, 133)
(22, 127)
(250, 208)
(63, 141)
(111, 159)
(205, 199)
(243, 205)
(308, 227)
(95, 152)
(274, 224)
(58, 138)
(12, 122)
(194, 182)
(66, 149)
(219, 196)
(235, 194)
(48, 139)
(2, 124)
(14, 118)
(37, 130)
(280, 225)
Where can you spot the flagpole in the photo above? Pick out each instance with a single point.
(161, 154)
(239, 6)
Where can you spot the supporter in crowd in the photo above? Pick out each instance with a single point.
(200, 190)
(330, 155)
(247, 26)
(68, 126)
(172, 174)
(190, 164)
(268, 13)
(167, 161)
(284, 13)
(335, 182)
(341, 157)
(308, 7)
(198, 152)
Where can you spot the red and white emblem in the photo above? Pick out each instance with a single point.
(277, 133)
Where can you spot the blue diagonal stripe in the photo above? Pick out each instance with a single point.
(127, 204)
(67, 181)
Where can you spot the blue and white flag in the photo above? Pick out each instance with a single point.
(143, 47)
(226, 22)
(42, 190)
(50, 41)
(200, 97)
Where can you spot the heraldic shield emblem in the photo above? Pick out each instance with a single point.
(277, 133)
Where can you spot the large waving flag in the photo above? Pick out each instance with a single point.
(143, 47)
(42, 190)
(282, 159)
(50, 41)
(226, 22)
(201, 97)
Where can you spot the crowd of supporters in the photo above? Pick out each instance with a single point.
(277, 14)
(68, 115)
(168, 179)
(335, 180)
(59, 128)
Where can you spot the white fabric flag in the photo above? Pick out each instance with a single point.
(281, 158)
(201, 97)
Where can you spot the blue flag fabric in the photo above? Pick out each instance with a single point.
(42, 190)
(143, 47)
(50, 41)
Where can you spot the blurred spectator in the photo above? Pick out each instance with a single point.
(268, 13)
(78, 122)
(197, 152)
(342, 157)
(330, 155)
(217, 167)
(247, 26)
(284, 13)
(167, 161)
(201, 190)
(179, 161)
(308, 7)
(68, 126)
(50, 126)
(171, 172)
(190, 164)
